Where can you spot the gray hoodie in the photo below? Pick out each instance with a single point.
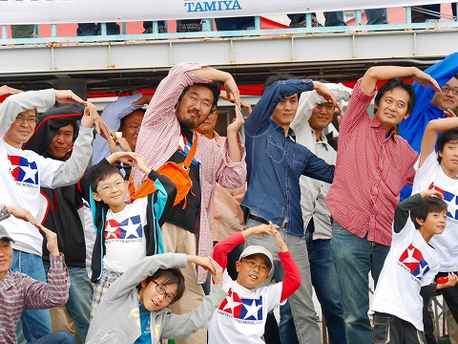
(117, 317)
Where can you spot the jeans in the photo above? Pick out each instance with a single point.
(334, 19)
(450, 296)
(331, 18)
(79, 302)
(35, 323)
(376, 16)
(354, 258)
(391, 329)
(286, 328)
(301, 303)
(58, 337)
(231, 24)
(326, 284)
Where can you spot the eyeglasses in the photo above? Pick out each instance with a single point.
(28, 120)
(446, 89)
(205, 103)
(253, 265)
(109, 188)
(133, 127)
(170, 298)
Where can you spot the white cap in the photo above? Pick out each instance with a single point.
(4, 234)
(250, 250)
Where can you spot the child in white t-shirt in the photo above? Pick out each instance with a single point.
(438, 171)
(409, 269)
(125, 233)
(241, 317)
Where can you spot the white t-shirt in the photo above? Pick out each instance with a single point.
(410, 265)
(125, 237)
(22, 174)
(241, 317)
(430, 175)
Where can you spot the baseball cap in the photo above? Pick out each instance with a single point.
(252, 249)
(4, 234)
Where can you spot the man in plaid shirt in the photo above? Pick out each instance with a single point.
(19, 291)
(183, 100)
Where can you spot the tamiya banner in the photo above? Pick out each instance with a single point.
(81, 11)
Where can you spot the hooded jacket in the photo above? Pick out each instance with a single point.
(159, 206)
(63, 206)
(117, 318)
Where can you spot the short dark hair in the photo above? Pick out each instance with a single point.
(277, 77)
(397, 83)
(212, 86)
(125, 118)
(430, 205)
(444, 138)
(170, 276)
(100, 173)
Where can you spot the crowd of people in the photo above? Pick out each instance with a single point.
(163, 229)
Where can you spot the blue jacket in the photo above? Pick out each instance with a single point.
(159, 206)
(275, 163)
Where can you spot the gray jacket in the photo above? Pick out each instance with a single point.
(117, 317)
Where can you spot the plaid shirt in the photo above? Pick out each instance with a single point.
(4, 213)
(19, 292)
(159, 137)
(364, 195)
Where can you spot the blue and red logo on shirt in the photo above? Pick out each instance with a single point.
(130, 228)
(22, 170)
(243, 309)
(451, 200)
(412, 258)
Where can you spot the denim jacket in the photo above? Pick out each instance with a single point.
(275, 162)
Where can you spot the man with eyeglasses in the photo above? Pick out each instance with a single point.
(430, 104)
(124, 115)
(23, 173)
(183, 100)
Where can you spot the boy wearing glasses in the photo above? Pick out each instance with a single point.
(135, 308)
(125, 233)
(241, 317)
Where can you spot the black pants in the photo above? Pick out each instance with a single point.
(451, 298)
(391, 329)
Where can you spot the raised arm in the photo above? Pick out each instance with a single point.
(4, 90)
(401, 213)
(381, 73)
(56, 291)
(430, 136)
(71, 171)
(112, 115)
(232, 131)
(232, 91)
(292, 280)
